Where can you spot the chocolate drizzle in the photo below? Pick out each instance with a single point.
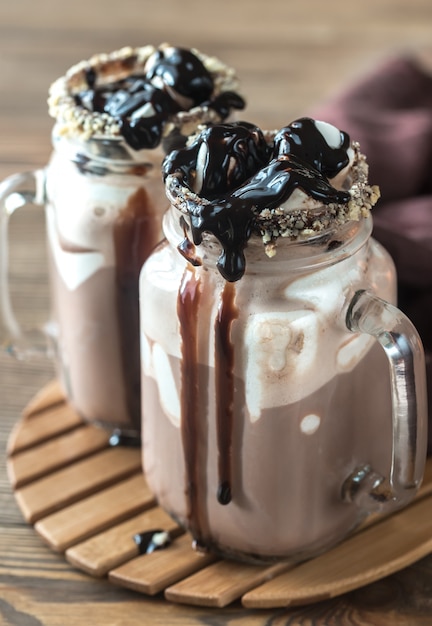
(181, 70)
(224, 374)
(193, 430)
(239, 177)
(187, 248)
(303, 141)
(136, 231)
(188, 304)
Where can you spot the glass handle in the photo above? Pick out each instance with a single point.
(16, 191)
(402, 345)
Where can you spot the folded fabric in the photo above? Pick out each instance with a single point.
(389, 112)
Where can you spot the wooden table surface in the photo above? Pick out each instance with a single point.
(289, 56)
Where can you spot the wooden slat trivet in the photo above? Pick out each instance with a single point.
(88, 501)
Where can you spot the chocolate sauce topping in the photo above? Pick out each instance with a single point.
(305, 143)
(181, 70)
(238, 175)
(174, 79)
(224, 374)
(188, 305)
(134, 234)
(226, 155)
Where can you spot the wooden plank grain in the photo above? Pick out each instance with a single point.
(221, 583)
(96, 513)
(68, 485)
(54, 421)
(45, 458)
(374, 553)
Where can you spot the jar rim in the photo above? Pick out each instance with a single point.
(324, 248)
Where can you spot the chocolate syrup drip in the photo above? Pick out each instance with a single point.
(224, 374)
(187, 248)
(188, 302)
(231, 224)
(142, 103)
(135, 234)
(301, 159)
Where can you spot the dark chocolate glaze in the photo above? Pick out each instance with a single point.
(135, 233)
(224, 385)
(224, 103)
(239, 183)
(192, 419)
(232, 153)
(304, 142)
(174, 71)
(187, 248)
(188, 305)
(181, 70)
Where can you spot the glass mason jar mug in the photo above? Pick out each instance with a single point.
(103, 217)
(279, 410)
(116, 117)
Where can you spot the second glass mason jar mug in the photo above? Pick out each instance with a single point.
(280, 410)
(103, 217)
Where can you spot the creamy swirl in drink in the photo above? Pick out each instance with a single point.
(116, 116)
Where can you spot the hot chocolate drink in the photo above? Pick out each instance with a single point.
(116, 116)
(264, 405)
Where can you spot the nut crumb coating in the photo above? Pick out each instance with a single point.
(314, 218)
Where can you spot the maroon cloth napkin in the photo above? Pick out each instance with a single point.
(389, 112)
